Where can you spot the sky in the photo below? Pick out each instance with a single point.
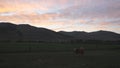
(63, 15)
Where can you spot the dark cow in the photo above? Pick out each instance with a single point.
(79, 51)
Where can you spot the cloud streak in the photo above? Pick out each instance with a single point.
(81, 15)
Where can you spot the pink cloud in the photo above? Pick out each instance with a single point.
(85, 15)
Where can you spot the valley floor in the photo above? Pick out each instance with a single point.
(61, 57)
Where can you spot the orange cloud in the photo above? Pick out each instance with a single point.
(29, 5)
(19, 5)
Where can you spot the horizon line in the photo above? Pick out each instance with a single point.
(59, 30)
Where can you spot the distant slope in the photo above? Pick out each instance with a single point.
(98, 35)
(26, 32)
(40, 34)
(104, 35)
(76, 34)
(8, 31)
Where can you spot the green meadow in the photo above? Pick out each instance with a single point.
(58, 55)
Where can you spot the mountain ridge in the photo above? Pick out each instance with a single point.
(97, 35)
(30, 33)
(26, 32)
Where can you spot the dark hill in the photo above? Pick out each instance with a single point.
(76, 34)
(98, 35)
(104, 35)
(24, 32)
(32, 33)
(8, 31)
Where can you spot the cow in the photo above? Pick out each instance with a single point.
(79, 51)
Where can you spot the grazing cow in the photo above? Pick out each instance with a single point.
(79, 51)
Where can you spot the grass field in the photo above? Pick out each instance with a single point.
(58, 55)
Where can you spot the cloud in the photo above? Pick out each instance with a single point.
(88, 15)
(98, 8)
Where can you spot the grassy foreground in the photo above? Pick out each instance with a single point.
(57, 55)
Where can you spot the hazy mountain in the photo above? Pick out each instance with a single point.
(26, 32)
(104, 35)
(76, 34)
(40, 34)
(8, 31)
(98, 35)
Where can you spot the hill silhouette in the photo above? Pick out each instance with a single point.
(8, 31)
(97, 35)
(25, 32)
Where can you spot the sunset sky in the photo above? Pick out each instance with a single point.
(65, 15)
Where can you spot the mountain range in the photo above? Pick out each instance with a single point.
(97, 35)
(25, 32)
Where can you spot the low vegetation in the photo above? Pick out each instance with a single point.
(58, 55)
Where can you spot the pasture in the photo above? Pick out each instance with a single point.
(58, 55)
